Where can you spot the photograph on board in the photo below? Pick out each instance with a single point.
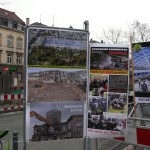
(141, 57)
(117, 102)
(98, 84)
(107, 121)
(118, 83)
(45, 84)
(57, 48)
(107, 58)
(55, 121)
(98, 105)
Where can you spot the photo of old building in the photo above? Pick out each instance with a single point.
(53, 121)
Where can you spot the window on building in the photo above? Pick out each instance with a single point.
(19, 43)
(19, 26)
(18, 60)
(0, 39)
(9, 24)
(0, 56)
(19, 76)
(10, 41)
(3, 22)
(79, 124)
(15, 25)
(2, 82)
(22, 28)
(9, 58)
(67, 135)
(78, 134)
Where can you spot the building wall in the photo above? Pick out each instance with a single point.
(77, 126)
(5, 32)
(15, 83)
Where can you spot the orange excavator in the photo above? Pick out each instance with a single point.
(39, 117)
(50, 130)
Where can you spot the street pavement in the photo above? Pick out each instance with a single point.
(14, 122)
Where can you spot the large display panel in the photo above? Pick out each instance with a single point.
(108, 91)
(56, 83)
(141, 61)
(138, 126)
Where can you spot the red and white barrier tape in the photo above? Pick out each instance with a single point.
(11, 108)
(11, 96)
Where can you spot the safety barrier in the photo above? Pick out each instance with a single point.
(110, 144)
(139, 122)
(11, 102)
(11, 96)
(11, 108)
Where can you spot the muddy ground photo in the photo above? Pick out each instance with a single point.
(46, 85)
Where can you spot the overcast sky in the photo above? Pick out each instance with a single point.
(101, 14)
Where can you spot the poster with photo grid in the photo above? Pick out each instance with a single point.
(56, 83)
(108, 88)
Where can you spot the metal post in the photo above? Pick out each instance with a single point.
(25, 82)
(15, 140)
(87, 141)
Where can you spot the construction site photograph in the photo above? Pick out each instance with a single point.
(55, 120)
(117, 102)
(48, 85)
(57, 49)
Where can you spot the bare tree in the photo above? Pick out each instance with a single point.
(112, 35)
(140, 32)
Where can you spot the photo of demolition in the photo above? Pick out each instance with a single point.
(47, 85)
(118, 83)
(55, 48)
(97, 105)
(109, 59)
(107, 121)
(117, 102)
(53, 121)
(98, 84)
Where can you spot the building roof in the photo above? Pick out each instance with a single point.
(10, 16)
(93, 41)
(38, 24)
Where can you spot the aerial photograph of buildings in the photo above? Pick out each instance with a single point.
(55, 49)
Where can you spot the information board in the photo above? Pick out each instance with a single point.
(56, 83)
(108, 88)
(141, 61)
